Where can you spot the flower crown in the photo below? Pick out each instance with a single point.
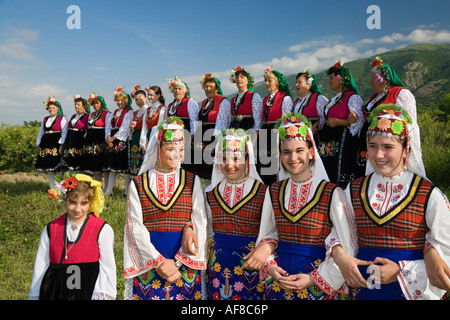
(69, 183)
(171, 130)
(52, 99)
(117, 91)
(293, 126)
(206, 76)
(176, 81)
(135, 89)
(268, 69)
(233, 77)
(377, 62)
(310, 79)
(92, 97)
(389, 120)
(233, 140)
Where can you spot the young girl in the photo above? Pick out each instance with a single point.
(399, 214)
(304, 216)
(75, 258)
(155, 114)
(50, 140)
(75, 133)
(234, 199)
(163, 200)
(117, 132)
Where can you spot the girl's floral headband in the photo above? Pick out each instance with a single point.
(69, 183)
(389, 120)
(293, 126)
(233, 140)
(171, 130)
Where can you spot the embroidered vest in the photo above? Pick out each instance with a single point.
(245, 104)
(340, 110)
(172, 216)
(402, 227)
(100, 122)
(311, 224)
(152, 120)
(117, 122)
(182, 112)
(274, 112)
(211, 114)
(309, 109)
(242, 219)
(139, 120)
(81, 124)
(56, 125)
(84, 249)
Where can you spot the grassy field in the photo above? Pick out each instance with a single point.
(25, 210)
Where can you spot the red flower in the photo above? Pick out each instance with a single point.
(70, 183)
(337, 64)
(53, 193)
(376, 63)
(238, 68)
(207, 75)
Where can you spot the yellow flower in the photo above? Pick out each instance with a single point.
(302, 294)
(197, 295)
(317, 262)
(179, 283)
(260, 287)
(217, 267)
(238, 270)
(276, 286)
(156, 284)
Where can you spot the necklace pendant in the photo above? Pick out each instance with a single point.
(74, 227)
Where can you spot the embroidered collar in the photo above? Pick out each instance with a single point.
(159, 170)
(303, 181)
(237, 182)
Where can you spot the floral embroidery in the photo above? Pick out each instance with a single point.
(329, 149)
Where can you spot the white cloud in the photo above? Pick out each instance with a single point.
(16, 44)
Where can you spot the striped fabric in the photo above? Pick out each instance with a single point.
(310, 225)
(175, 214)
(244, 218)
(402, 227)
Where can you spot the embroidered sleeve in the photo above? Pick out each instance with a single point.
(124, 130)
(322, 101)
(287, 105)
(356, 104)
(193, 110)
(64, 129)
(257, 111)
(406, 100)
(224, 116)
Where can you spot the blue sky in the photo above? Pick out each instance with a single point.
(128, 43)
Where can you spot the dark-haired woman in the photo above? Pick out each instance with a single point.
(339, 136)
(155, 113)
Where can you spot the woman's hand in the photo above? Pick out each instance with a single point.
(388, 270)
(258, 256)
(348, 266)
(296, 281)
(167, 270)
(437, 270)
(189, 238)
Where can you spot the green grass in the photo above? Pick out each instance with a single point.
(25, 210)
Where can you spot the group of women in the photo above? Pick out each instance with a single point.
(348, 213)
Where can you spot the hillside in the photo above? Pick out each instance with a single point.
(424, 68)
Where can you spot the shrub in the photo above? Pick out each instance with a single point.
(18, 149)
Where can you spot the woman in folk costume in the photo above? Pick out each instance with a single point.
(388, 89)
(338, 136)
(117, 138)
(50, 140)
(75, 133)
(246, 106)
(214, 116)
(274, 105)
(311, 102)
(164, 199)
(234, 201)
(155, 114)
(136, 153)
(75, 257)
(185, 108)
(399, 214)
(304, 216)
(95, 147)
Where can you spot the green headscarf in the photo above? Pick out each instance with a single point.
(96, 96)
(387, 72)
(347, 79)
(284, 87)
(60, 110)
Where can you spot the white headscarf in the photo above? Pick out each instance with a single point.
(217, 174)
(414, 161)
(316, 165)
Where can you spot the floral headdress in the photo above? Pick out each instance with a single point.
(249, 77)
(120, 89)
(345, 76)
(233, 141)
(177, 81)
(389, 120)
(210, 75)
(293, 126)
(386, 73)
(69, 183)
(311, 79)
(284, 87)
(53, 100)
(171, 130)
(93, 96)
(136, 89)
(84, 101)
